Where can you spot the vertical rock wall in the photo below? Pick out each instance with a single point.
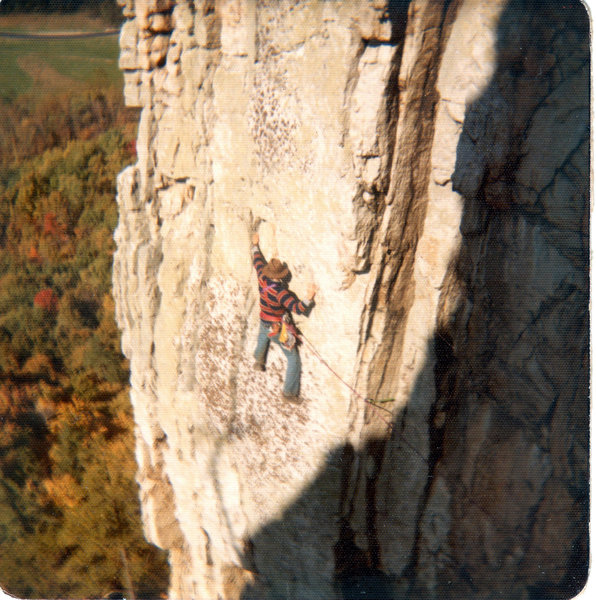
(512, 330)
(401, 155)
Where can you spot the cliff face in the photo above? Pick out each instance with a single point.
(427, 164)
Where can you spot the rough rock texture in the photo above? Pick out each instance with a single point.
(427, 164)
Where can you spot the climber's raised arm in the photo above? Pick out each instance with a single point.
(258, 260)
(291, 303)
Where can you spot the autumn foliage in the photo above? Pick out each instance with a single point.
(69, 507)
(46, 300)
(35, 123)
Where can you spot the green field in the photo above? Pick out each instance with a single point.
(41, 66)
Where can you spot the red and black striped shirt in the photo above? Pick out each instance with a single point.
(274, 297)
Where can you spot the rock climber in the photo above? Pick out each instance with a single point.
(276, 303)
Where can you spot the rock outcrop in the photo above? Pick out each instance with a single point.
(427, 164)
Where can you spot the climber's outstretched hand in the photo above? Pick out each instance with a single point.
(255, 239)
(312, 290)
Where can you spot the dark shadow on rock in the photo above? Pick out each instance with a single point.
(311, 551)
(313, 528)
(522, 341)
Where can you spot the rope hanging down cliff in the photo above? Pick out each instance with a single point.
(367, 400)
(276, 302)
(401, 439)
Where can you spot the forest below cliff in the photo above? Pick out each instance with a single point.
(106, 9)
(69, 510)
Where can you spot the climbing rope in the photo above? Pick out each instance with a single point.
(367, 400)
(390, 425)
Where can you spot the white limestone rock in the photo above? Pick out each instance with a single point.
(369, 145)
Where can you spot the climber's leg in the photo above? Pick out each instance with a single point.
(263, 340)
(291, 387)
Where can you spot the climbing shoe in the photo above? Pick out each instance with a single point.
(259, 366)
(291, 397)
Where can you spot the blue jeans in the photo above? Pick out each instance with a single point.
(294, 368)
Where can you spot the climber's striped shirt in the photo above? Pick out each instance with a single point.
(275, 298)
